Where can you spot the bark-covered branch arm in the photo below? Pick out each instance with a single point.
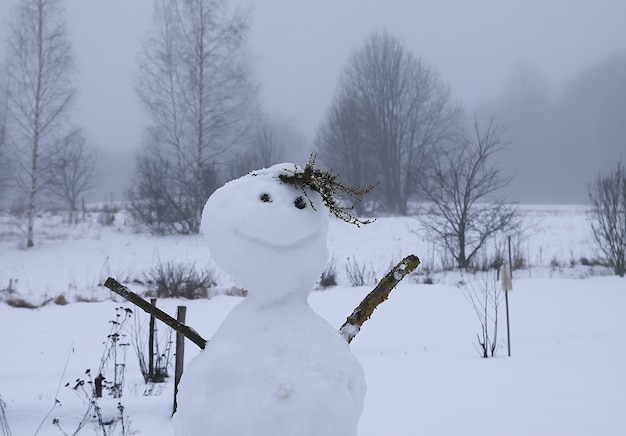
(380, 293)
(185, 330)
(348, 330)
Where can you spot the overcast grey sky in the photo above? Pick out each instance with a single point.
(299, 47)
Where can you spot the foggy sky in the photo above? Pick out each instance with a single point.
(298, 48)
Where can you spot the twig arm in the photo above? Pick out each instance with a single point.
(185, 330)
(348, 330)
(379, 294)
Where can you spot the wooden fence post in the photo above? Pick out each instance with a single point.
(151, 344)
(98, 385)
(180, 353)
(506, 300)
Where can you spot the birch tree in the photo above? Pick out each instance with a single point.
(193, 84)
(40, 72)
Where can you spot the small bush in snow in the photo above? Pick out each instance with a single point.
(180, 280)
(236, 292)
(106, 216)
(162, 352)
(20, 303)
(608, 216)
(584, 261)
(358, 274)
(60, 300)
(329, 275)
(484, 293)
(102, 394)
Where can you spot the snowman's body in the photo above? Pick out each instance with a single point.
(274, 367)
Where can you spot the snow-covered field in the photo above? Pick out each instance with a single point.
(568, 330)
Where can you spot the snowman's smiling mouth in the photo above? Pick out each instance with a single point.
(258, 239)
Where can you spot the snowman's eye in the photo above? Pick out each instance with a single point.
(265, 198)
(300, 203)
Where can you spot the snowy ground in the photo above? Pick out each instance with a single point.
(568, 331)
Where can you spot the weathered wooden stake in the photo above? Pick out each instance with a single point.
(98, 385)
(506, 302)
(126, 293)
(180, 353)
(151, 344)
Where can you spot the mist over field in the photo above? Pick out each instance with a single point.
(486, 138)
(553, 74)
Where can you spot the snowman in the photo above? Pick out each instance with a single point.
(274, 367)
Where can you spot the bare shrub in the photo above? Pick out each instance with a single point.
(60, 300)
(106, 215)
(329, 275)
(20, 303)
(4, 423)
(585, 261)
(236, 292)
(108, 384)
(10, 288)
(162, 357)
(484, 293)
(608, 217)
(180, 280)
(359, 274)
(84, 299)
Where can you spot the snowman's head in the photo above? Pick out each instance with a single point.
(269, 235)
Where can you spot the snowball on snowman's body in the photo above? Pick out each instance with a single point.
(274, 367)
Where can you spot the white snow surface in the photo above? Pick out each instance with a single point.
(424, 376)
(274, 367)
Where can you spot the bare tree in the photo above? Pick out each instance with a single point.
(342, 145)
(5, 167)
(402, 112)
(608, 216)
(73, 170)
(40, 72)
(270, 141)
(267, 143)
(193, 84)
(155, 198)
(464, 207)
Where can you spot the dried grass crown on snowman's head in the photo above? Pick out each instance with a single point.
(325, 183)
